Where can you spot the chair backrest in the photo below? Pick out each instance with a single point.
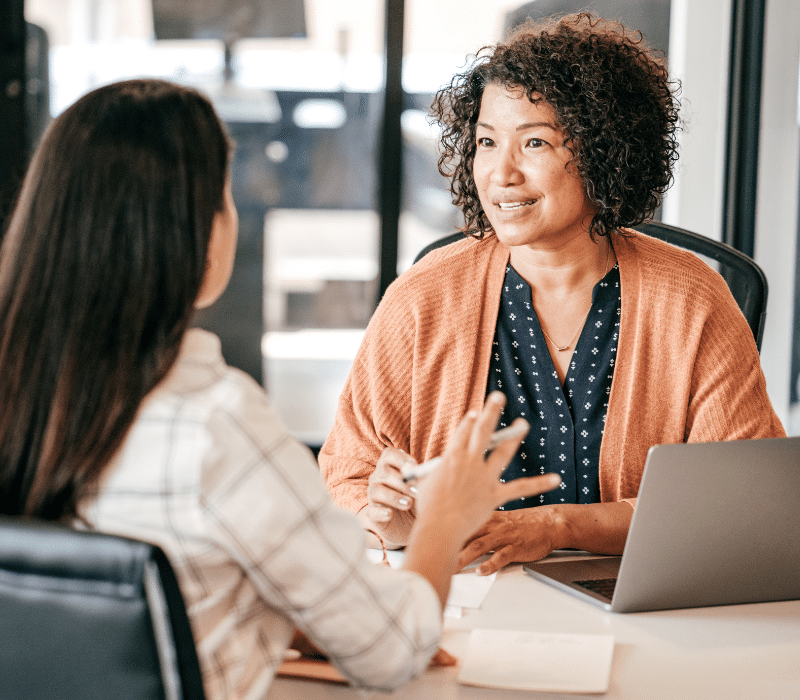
(746, 279)
(90, 616)
(439, 243)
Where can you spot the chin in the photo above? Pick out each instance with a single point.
(511, 237)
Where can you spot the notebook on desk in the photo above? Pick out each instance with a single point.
(714, 524)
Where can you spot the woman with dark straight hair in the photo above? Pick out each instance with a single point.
(116, 415)
(102, 262)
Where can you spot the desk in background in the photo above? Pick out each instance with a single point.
(737, 652)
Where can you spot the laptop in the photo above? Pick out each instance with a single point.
(715, 524)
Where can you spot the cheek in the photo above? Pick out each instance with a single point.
(569, 187)
(578, 196)
(481, 178)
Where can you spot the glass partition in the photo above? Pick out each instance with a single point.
(305, 109)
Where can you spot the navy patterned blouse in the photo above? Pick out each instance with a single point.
(566, 422)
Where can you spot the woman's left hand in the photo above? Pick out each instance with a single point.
(514, 535)
(529, 534)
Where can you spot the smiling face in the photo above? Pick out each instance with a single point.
(528, 192)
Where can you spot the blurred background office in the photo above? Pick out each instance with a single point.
(335, 171)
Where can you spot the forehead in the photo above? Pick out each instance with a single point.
(509, 105)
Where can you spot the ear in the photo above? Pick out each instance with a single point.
(205, 296)
(221, 253)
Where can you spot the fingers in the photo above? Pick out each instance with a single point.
(505, 451)
(473, 550)
(378, 513)
(392, 461)
(494, 563)
(390, 493)
(386, 486)
(461, 437)
(528, 486)
(475, 430)
(511, 536)
(443, 658)
(487, 421)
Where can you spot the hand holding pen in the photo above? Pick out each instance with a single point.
(417, 471)
(390, 512)
(391, 509)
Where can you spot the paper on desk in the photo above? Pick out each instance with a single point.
(467, 590)
(517, 660)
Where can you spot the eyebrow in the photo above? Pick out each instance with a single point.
(521, 127)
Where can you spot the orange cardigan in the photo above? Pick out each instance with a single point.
(687, 366)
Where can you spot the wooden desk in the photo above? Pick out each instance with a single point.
(738, 652)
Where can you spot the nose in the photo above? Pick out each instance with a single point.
(506, 171)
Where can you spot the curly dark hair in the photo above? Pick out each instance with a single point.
(611, 95)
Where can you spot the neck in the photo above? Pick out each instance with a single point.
(565, 271)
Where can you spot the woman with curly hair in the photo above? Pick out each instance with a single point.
(605, 340)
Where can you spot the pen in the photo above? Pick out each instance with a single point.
(417, 471)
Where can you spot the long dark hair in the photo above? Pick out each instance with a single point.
(99, 270)
(612, 96)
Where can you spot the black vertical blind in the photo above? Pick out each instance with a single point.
(12, 102)
(390, 171)
(744, 118)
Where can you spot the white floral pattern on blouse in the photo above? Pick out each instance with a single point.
(567, 421)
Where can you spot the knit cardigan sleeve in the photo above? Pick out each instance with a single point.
(374, 405)
(422, 364)
(687, 367)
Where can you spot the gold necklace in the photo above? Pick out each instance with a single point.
(561, 348)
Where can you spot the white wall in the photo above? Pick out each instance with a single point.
(699, 44)
(778, 187)
(699, 57)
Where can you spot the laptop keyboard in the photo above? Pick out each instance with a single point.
(602, 586)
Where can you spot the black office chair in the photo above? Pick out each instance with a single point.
(746, 279)
(90, 616)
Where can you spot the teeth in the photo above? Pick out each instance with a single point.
(515, 205)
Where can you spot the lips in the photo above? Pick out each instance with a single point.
(510, 206)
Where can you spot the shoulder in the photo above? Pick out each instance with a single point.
(442, 291)
(661, 267)
(466, 251)
(455, 269)
(650, 250)
(224, 423)
(221, 405)
(201, 375)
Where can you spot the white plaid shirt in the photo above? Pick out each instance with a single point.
(209, 473)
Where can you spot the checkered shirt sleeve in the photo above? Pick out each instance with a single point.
(209, 473)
